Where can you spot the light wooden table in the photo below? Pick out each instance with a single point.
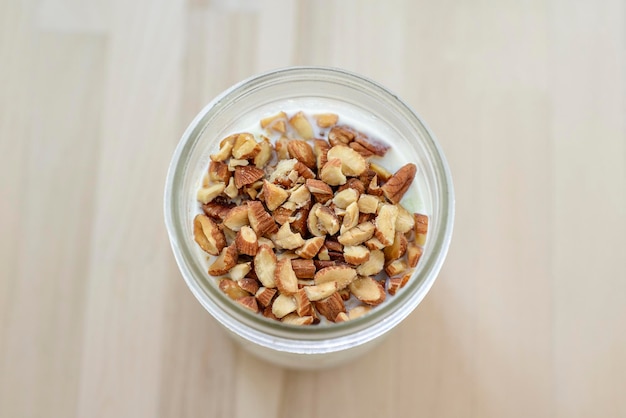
(528, 99)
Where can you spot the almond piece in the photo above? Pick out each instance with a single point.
(265, 295)
(322, 255)
(330, 306)
(396, 267)
(397, 185)
(286, 239)
(208, 235)
(376, 147)
(368, 291)
(386, 223)
(373, 188)
(303, 304)
(226, 146)
(303, 171)
(303, 269)
(358, 311)
(282, 170)
(236, 218)
(368, 203)
(285, 278)
(336, 256)
(274, 195)
(352, 163)
(245, 147)
(342, 275)
(231, 190)
(396, 283)
(281, 148)
(217, 210)
(321, 291)
(248, 174)
(270, 120)
(302, 152)
(246, 241)
(342, 317)
(207, 194)
(421, 228)
(311, 247)
(313, 222)
(327, 220)
(260, 220)
(380, 171)
(374, 244)
(341, 135)
(333, 245)
(246, 283)
(302, 125)
(294, 319)
(239, 272)
(300, 195)
(357, 254)
(413, 254)
(267, 312)
(373, 265)
(351, 217)
(224, 262)
(233, 163)
(331, 173)
(320, 147)
(358, 234)
(345, 197)
(405, 220)
(218, 172)
(353, 183)
(320, 190)
(232, 289)
(299, 219)
(283, 305)
(326, 120)
(265, 266)
(265, 153)
(397, 249)
(249, 302)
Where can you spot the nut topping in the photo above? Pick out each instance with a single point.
(301, 227)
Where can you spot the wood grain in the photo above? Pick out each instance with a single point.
(528, 317)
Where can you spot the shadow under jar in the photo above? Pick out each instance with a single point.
(372, 107)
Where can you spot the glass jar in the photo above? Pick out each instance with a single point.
(336, 90)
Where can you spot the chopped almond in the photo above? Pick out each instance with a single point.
(294, 319)
(345, 197)
(413, 254)
(240, 271)
(285, 278)
(331, 173)
(396, 283)
(286, 239)
(302, 151)
(373, 265)
(248, 174)
(352, 163)
(311, 247)
(246, 241)
(358, 311)
(368, 290)
(326, 120)
(249, 302)
(321, 291)
(405, 220)
(265, 266)
(232, 289)
(303, 269)
(327, 220)
(274, 195)
(302, 125)
(208, 235)
(358, 234)
(357, 254)
(283, 305)
(236, 218)
(224, 262)
(265, 153)
(248, 284)
(368, 203)
(303, 304)
(260, 220)
(265, 295)
(207, 194)
(330, 306)
(320, 147)
(397, 249)
(386, 223)
(342, 275)
(396, 267)
(397, 185)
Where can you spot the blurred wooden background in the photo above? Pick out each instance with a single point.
(528, 99)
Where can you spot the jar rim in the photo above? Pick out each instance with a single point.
(318, 339)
